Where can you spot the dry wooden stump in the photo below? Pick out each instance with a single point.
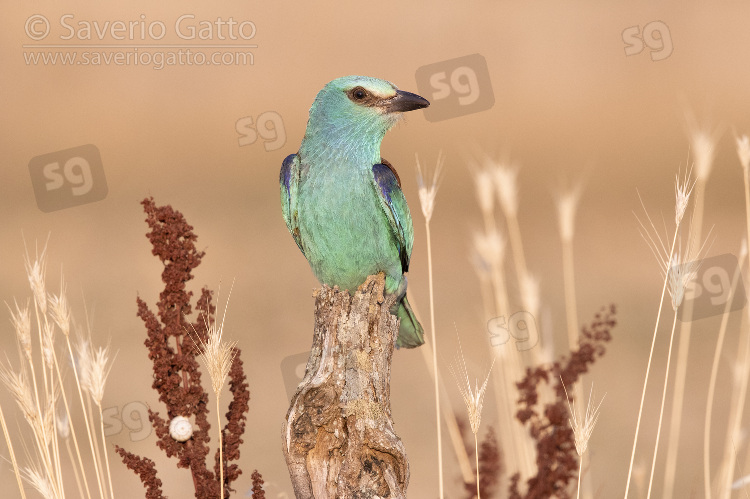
(338, 436)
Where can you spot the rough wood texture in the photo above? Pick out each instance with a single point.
(338, 437)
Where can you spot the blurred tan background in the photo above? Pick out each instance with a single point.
(569, 105)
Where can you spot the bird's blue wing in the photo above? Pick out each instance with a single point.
(288, 184)
(388, 188)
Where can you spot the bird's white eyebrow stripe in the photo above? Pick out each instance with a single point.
(373, 98)
(375, 92)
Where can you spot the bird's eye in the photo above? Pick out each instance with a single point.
(359, 93)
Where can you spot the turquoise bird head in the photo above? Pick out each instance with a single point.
(353, 114)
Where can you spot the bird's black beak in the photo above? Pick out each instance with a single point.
(403, 102)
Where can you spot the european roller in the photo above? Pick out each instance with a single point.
(342, 202)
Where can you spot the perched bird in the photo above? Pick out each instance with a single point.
(342, 202)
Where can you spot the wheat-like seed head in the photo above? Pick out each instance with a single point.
(567, 204)
(48, 418)
(682, 268)
(36, 272)
(427, 193)
(485, 187)
(681, 273)
(506, 185)
(703, 140)
(48, 344)
(100, 367)
(21, 321)
(40, 420)
(17, 383)
(743, 151)
(34, 476)
(682, 194)
(60, 309)
(473, 397)
(530, 294)
(217, 355)
(84, 359)
(583, 427)
(490, 247)
(63, 425)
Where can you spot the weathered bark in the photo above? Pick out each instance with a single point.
(338, 437)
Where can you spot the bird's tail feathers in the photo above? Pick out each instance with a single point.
(410, 333)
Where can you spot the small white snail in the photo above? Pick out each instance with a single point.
(180, 429)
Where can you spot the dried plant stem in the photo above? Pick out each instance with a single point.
(511, 367)
(12, 454)
(676, 416)
(661, 410)
(106, 457)
(221, 448)
(746, 363)
(70, 418)
(741, 396)
(571, 314)
(451, 423)
(434, 357)
(724, 481)
(505, 378)
(72, 430)
(491, 252)
(89, 429)
(571, 309)
(98, 462)
(516, 244)
(217, 356)
(501, 294)
(30, 363)
(486, 291)
(682, 356)
(733, 428)
(648, 366)
(476, 455)
(514, 369)
(510, 363)
(746, 175)
(55, 440)
(427, 194)
(42, 437)
(458, 444)
(75, 469)
(685, 336)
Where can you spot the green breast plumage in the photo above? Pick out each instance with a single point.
(345, 232)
